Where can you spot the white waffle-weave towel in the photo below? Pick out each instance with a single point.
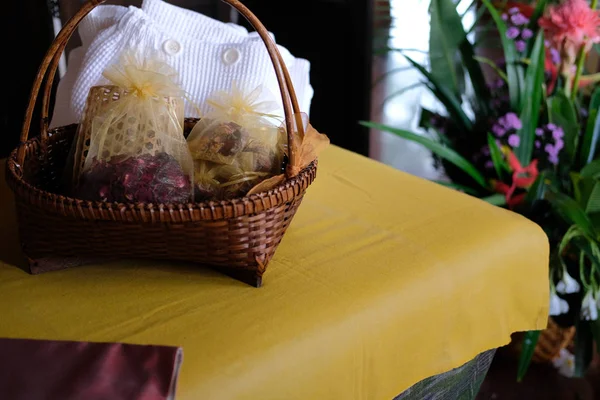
(208, 54)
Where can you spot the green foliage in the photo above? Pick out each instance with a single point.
(530, 340)
(592, 132)
(531, 107)
(445, 95)
(437, 148)
(561, 111)
(514, 70)
(445, 37)
(497, 158)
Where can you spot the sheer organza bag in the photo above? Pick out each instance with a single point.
(130, 145)
(237, 144)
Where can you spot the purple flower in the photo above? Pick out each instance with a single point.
(519, 19)
(558, 133)
(537, 144)
(526, 33)
(485, 150)
(512, 121)
(514, 140)
(539, 131)
(520, 45)
(553, 159)
(554, 56)
(546, 43)
(498, 130)
(558, 145)
(551, 150)
(505, 17)
(489, 164)
(512, 32)
(551, 127)
(513, 10)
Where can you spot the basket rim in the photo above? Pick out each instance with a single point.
(252, 204)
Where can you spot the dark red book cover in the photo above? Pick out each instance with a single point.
(66, 370)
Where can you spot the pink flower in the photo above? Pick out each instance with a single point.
(571, 25)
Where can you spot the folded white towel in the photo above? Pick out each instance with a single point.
(209, 55)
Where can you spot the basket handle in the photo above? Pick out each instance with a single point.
(51, 60)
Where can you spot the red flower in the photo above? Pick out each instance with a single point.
(524, 9)
(571, 25)
(522, 178)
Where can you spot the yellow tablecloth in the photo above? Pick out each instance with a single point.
(383, 279)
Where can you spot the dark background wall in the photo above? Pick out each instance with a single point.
(334, 35)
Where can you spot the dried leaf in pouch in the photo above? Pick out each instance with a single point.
(242, 135)
(267, 184)
(306, 148)
(217, 141)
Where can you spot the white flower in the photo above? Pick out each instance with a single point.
(598, 298)
(557, 305)
(565, 363)
(589, 308)
(567, 284)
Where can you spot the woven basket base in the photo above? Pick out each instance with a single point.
(42, 265)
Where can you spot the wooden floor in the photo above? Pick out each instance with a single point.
(542, 382)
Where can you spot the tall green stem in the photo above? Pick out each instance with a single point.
(580, 61)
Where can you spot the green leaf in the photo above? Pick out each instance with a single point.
(591, 170)
(562, 113)
(386, 49)
(537, 13)
(593, 201)
(495, 199)
(537, 190)
(437, 148)
(583, 348)
(386, 74)
(458, 187)
(401, 92)
(497, 158)
(592, 131)
(595, 328)
(446, 34)
(480, 88)
(533, 94)
(494, 66)
(571, 212)
(529, 342)
(478, 16)
(511, 56)
(589, 248)
(445, 96)
(576, 179)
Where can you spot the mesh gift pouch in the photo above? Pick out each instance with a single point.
(242, 136)
(130, 145)
(307, 148)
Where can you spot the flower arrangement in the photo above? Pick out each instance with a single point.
(521, 131)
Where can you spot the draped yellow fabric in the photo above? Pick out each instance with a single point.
(382, 279)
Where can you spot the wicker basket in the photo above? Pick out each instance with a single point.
(237, 237)
(551, 341)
